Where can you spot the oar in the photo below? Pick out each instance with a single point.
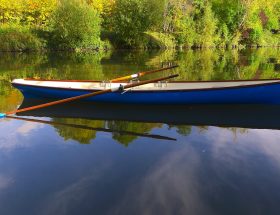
(140, 74)
(114, 89)
(154, 136)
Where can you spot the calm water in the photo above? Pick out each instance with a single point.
(106, 160)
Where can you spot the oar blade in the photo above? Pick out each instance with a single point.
(2, 115)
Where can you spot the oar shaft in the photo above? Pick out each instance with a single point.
(139, 74)
(89, 95)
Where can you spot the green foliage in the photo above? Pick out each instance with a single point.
(269, 39)
(262, 17)
(224, 35)
(75, 26)
(255, 34)
(193, 24)
(206, 27)
(161, 41)
(19, 38)
(131, 18)
(229, 13)
(185, 31)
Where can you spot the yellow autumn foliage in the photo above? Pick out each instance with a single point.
(37, 12)
(28, 12)
(102, 6)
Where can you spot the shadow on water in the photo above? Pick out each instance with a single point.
(145, 117)
(246, 116)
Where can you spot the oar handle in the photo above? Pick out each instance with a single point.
(139, 74)
(121, 87)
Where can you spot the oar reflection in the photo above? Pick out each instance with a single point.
(153, 136)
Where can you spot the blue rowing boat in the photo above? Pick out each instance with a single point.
(197, 92)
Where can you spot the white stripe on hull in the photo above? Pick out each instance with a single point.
(152, 86)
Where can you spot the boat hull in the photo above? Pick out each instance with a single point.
(254, 94)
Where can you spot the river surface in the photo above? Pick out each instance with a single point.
(139, 160)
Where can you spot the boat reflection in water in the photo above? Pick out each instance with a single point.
(243, 116)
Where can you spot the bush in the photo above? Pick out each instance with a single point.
(269, 39)
(131, 18)
(206, 27)
(75, 25)
(161, 41)
(185, 31)
(19, 38)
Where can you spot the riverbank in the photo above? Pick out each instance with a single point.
(25, 39)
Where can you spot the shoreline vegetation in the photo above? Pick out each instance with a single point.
(84, 25)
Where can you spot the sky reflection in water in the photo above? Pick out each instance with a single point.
(212, 170)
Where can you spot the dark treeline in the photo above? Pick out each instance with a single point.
(104, 24)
